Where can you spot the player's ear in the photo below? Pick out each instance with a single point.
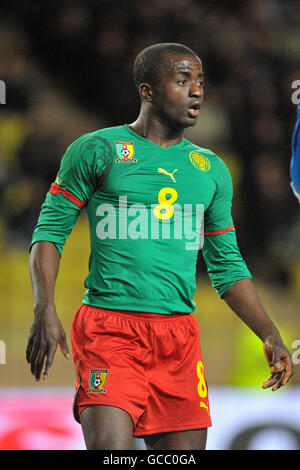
(146, 91)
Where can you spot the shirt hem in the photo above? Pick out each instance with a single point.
(135, 304)
(221, 292)
(42, 238)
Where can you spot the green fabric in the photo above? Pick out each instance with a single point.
(140, 261)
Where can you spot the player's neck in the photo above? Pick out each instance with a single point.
(156, 130)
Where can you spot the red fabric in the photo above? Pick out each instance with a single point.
(151, 363)
(54, 189)
(218, 232)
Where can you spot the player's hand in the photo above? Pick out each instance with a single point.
(46, 333)
(280, 362)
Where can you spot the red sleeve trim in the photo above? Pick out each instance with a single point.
(218, 232)
(54, 189)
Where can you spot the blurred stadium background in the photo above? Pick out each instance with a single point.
(67, 66)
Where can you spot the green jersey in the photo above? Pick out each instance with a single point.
(150, 210)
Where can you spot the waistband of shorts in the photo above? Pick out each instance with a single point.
(139, 315)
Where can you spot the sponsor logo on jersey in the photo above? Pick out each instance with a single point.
(161, 170)
(125, 152)
(97, 380)
(199, 161)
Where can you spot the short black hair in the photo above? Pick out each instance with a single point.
(151, 63)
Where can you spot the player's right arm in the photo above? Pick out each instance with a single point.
(82, 168)
(46, 331)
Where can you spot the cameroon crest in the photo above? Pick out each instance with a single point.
(199, 161)
(97, 380)
(125, 152)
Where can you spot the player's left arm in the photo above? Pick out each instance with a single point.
(232, 280)
(243, 299)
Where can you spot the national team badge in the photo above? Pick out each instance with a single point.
(97, 381)
(199, 161)
(125, 152)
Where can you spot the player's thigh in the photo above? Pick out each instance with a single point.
(179, 440)
(106, 428)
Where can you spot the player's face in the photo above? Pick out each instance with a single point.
(179, 95)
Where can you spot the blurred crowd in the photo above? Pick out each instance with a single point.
(67, 66)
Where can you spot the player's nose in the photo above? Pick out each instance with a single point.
(196, 90)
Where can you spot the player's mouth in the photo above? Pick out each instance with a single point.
(194, 109)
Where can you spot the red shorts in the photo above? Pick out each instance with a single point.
(149, 365)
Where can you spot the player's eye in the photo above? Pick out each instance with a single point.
(182, 82)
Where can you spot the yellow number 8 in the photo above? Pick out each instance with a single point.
(165, 204)
(202, 389)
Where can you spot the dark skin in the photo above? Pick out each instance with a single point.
(166, 110)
